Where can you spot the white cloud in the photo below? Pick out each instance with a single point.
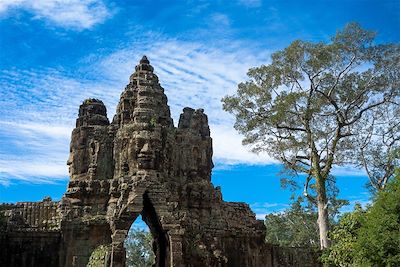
(38, 171)
(33, 152)
(6, 4)
(228, 148)
(38, 107)
(81, 14)
(30, 128)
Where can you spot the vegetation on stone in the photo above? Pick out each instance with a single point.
(99, 256)
(316, 106)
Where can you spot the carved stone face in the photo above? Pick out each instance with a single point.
(70, 165)
(82, 153)
(147, 147)
(146, 157)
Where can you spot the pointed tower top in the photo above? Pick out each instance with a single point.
(144, 60)
(144, 65)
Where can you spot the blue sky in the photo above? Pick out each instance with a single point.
(54, 54)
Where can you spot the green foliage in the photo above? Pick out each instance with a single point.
(139, 251)
(344, 237)
(369, 238)
(99, 256)
(295, 227)
(378, 242)
(152, 123)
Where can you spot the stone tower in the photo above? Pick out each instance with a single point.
(141, 164)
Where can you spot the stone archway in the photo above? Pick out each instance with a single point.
(161, 247)
(140, 163)
(160, 237)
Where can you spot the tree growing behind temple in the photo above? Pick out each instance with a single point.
(139, 251)
(297, 226)
(310, 105)
(294, 227)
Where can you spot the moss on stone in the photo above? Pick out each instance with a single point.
(99, 256)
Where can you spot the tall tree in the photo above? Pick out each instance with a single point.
(309, 105)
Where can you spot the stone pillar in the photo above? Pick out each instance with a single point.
(175, 253)
(118, 253)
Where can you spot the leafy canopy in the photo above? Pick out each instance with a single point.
(138, 245)
(312, 103)
(295, 227)
(369, 238)
(378, 242)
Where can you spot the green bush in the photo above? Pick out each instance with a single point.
(344, 238)
(369, 238)
(378, 242)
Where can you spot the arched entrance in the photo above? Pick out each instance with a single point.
(160, 239)
(139, 245)
(149, 215)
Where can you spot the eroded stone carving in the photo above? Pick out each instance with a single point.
(140, 163)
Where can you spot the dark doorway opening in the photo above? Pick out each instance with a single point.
(147, 243)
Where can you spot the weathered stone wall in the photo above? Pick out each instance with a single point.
(30, 234)
(30, 248)
(42, 215)
(141, 164)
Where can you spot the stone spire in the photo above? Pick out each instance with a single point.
(143, 100)
(144, 65)
(92, 112)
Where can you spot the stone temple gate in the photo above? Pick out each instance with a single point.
(140, 164)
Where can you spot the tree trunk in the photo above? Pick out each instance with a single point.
(323, 219)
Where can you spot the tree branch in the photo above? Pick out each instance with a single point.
(305, 190)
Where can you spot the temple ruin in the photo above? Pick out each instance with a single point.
(140, 164)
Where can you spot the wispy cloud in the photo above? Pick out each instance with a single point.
(80, 14)
(220, 19)
(33, 152)
(228, 148)
(197, 76)
(39, 107)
